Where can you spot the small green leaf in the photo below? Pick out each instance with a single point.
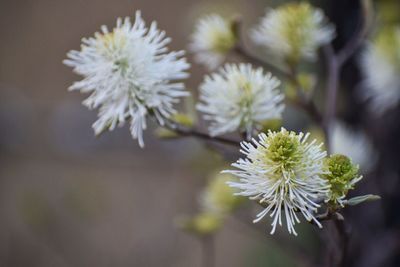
(165, 133)
(360, 199)
(183, 119)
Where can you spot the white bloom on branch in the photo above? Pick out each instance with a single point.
(130, 74)
(293, 31)
(239, 97)
(380, 65)
(284, 173)
(212, 39)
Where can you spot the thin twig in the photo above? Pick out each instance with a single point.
(302, 102)
(344, 241)
(240, 50)
(357, 40)
(335, 62)
(191, 132)
(332, 86)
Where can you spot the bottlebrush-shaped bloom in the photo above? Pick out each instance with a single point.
(130, 75)
(212, 39)
(293, 31)
(380, 65)
(239, 97)
(284, 173)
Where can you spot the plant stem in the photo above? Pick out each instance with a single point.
(208, 247)
(191, 132)
(335, 63)
(344, 241)
(332, 86)
(255, 60)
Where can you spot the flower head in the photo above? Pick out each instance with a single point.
(239, 97)
(380, 65)
(212, 39)
(129, 74)
(342, 175)
(293, 31)
(283, 172)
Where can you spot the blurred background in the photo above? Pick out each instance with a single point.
(68, 198)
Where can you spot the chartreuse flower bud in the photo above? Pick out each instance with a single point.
(342, 175)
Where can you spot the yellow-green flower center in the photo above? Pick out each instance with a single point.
(297, 22)
(222, 42)
(283, 150)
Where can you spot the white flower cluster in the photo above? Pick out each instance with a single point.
(293, 31)
(284, 172)
(239, 97)
(211, 41)
(380, 65)
(130, 74)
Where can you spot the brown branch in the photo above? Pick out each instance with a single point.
(365, 25)
(191, 132)
(335, 62)
(240, 50)
(302, 102)
(344, 241)
(331, 89)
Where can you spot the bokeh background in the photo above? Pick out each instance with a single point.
(68, 198)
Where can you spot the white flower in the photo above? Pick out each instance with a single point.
(354, 144)
(380, 65)
(293, 31)
(285, 173)
(129, 74)
(211, 41)
(239, 98)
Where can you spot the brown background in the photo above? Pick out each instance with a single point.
(68, 198)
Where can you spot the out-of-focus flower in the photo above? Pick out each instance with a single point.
(212, 39)
(216, 201)
(354, 144)
(218, 197)
(342, 175)
(239, 97)
(380, 64)
(130, 74)
(285, 172)
(201, 224)
(293, 31)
